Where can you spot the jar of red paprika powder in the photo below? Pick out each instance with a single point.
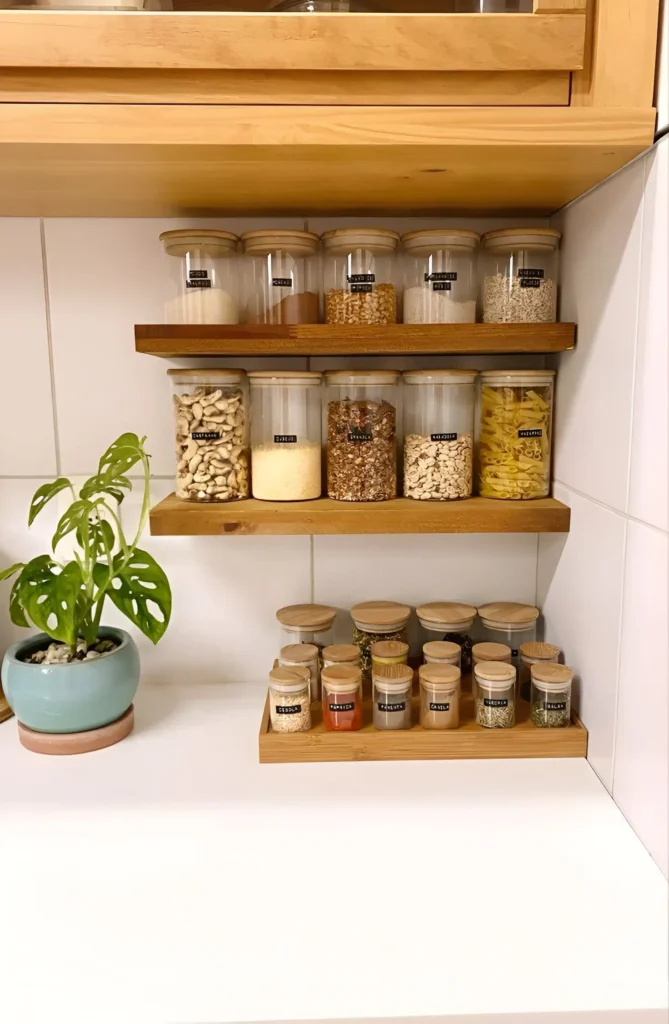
(342, 698)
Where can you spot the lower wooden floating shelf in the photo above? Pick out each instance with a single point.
(469, 742)
(326, 517)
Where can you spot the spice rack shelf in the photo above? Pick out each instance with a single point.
(173, 517)
(180, 341)
(470, 741)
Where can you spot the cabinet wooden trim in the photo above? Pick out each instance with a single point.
(621, 50)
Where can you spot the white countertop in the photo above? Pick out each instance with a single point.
(172, 879)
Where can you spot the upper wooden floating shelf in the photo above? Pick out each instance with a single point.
(179, 341)
(173, 517)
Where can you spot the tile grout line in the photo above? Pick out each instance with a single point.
(611, 509)
(49, 339)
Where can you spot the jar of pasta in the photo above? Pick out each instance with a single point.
(375, 621)
(495, 694)
(303, 656)
(307, 624)
(520, 275)
(551, 695)
(360, 270)
(516, 433)
(439, 696)
(389, 652)
(534, 654)
(392, 693)
(342, 698)
(341, 654)
(289, 700)
(452, 621)
(509, 623)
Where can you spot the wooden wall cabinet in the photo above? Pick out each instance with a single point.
(219, 112)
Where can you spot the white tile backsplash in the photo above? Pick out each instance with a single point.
(641, 777)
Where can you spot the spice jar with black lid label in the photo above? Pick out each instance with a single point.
(451, 621)
(290, 699)
(439, 696)
(534, 654)
(392, 694)
(551, 695)
(342, 698)
(495, 694)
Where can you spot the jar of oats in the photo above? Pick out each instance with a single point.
(520, 275)
(439, 696)
(289, 700)
(362, 431)
(440, 279)
(439, 408)
(360, 274)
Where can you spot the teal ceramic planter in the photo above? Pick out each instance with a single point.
(71, 698)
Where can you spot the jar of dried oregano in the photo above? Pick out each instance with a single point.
(495, 694)
(551, 695)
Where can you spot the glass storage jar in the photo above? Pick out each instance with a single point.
(362, 431)
(205, 276)
(319, 7)
(439, 407)
(389, 652)
(286, 423)
(533, 654)
(391, 696)
(289, 700)
(307, 624)
(341, 654)
(495, 694)
(304, 656)
(451, 621)
(282, 277)
(342, 698)
(375, 621)
(551, 695)
(440, 278)
(520, 275)
(211, 414)
(360, 276)
(442, 652)
(490, 652)
(507, 622)
(516, 434)
(439, 696)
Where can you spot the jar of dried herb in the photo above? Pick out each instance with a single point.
(375, 621)
(392, 693)
(290, 700)
(341, 654)
(342, 698)
(451, 621)
(439, 696)
(534, 654)
(551, 695)
(304, 656)
(495, 694)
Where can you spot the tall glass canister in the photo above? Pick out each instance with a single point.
(286, 422)
(361, 276)
(440, 276)
(205, 276)
(439, 410)
(282, 277)
(520, 275)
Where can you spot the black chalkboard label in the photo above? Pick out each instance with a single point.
(443, 437)
(358, 436)
(292, 709)
(439, 707)
(530, 433)
(560, 705)
(200, 283)
(282, 282)
(198, 275)
(206, 435)
(449, 275)
(442, 286)
(530, 278)
(361, 278)
(495, 702)
(342, 707)
(285, 439)
(393, 707)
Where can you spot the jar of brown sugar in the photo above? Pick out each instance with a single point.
(439, 696)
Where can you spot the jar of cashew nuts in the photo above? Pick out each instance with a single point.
(211, 415)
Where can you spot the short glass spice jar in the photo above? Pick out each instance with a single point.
(439, 696)
(439, 409)
(392, 696)
(289, 700)
(304, 656)
(307, 624)
(491, 652)
(286, 426)
(534, 654)
(440, 276)
(361, 276)
(342, 698)
(495, 694)
(211, 416)
(205, 272)
(442, 652)
(362, 431)
(281, 273)
(341, 654)
(375, 621)
(510, 623)
(389, 652)
(520, 275)
(451, 621)
(551, 695)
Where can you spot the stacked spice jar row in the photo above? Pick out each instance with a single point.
(363, 276)
(261, 434)
(312, 669)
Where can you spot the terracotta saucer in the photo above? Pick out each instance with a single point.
(78, 742)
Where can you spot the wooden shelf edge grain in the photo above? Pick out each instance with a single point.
(469, 742)
(173, 517)
(179, 341)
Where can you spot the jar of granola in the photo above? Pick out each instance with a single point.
(361, 270)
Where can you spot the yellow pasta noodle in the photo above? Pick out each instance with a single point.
(515, 463)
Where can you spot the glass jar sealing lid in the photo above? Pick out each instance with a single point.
(495, 674)
(439, 677)
(362, 378)
(298, 654)
(508, 615)
(212, 244)
(290, 680)
(295, 243)
(490, 652)
(306, 618)
(383, 649)
(341, 678)
(206, 376)
(552, 677)
(440, 377)
(505, 240)
(442, 650)
(393, 678)
(341, 653)
(535, 651)
(285, 378)
(340, 242)
(517, 378)
(447, 615)
(422, 243)
(380, 616)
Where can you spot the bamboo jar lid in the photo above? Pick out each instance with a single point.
(341, 653)
(299, 653)
(539, 652)
(491, 652)
(552, 676)
(387, 614)
(341, 241)
(210, 243)
(297, 244)
(504, 240)
(508, 615)
(442, 650)
(290, 678)
(316, 618)
(389, 650)
(495, 673)
(341, 678)
(446, 613)
(422, 243)
(393, 678)
(439, 677)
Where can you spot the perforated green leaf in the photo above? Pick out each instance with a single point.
(140, 584)
(16, 613)
(43, 496)
(49, 597)
(6, 573)
(78, 512)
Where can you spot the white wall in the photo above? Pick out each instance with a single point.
(604, 588)
(70, 294)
